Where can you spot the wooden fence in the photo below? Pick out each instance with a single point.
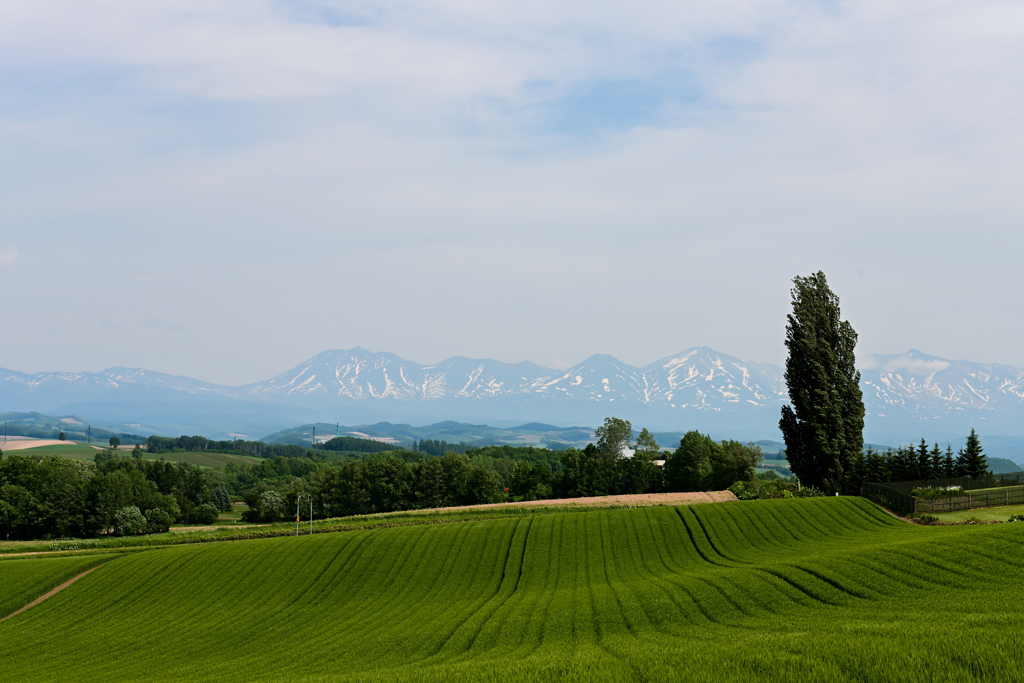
(896, 495)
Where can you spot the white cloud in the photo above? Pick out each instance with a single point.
(414, 139)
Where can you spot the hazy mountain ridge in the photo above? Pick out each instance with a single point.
(906, 395)
(699, 378)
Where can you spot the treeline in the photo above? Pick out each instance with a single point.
(54, 497)
(351, 444)
(908, 463)
(387, 483)
(435, 447)
(183, 444)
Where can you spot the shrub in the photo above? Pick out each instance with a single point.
(808, 492)
(270, 506)
(205, 514)
(158, 521)
(1016, 518)
(128, 521)
(929, 492)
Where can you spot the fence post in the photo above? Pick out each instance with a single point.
(969, 507)
(988, 500)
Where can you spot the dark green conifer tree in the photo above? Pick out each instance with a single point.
(948, 463)
(874, 466)
(924, 461)
(824, 427)
(935, 457)
(972, 461)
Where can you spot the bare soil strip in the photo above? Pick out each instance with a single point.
(22, 444)
(635, 500)
(56, 590)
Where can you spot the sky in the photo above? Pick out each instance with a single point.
(222, 189)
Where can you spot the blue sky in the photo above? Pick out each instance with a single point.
(222, 189)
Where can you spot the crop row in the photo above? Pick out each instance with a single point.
(809, 589)
(22, 579)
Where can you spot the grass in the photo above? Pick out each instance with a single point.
(235, 515)
(782, 590)
(25, 579)
(73, 451)
(998, 489)
(986, 514)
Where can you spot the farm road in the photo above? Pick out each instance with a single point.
(53, 592)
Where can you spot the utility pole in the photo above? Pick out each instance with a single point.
(90, 435)
(297, 501)
(314, 435)
(5, 431)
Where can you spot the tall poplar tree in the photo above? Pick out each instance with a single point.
(824, 426)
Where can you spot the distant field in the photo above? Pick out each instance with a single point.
(84, 452)
(74, 451)
(1001, 514)
(784, 590)
(235, 515)
(204, 459)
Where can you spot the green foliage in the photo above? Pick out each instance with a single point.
(589, 472)
(53, 497)
(690, 465)
(158, 521)
(220, 499)
(269, 507)
(971, 461)
(352, 444)
(129, 521)
(614, 437)
(701, 464)
(823, 428)
(784, 590)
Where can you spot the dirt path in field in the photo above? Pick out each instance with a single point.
(56, 590)
(636, 500)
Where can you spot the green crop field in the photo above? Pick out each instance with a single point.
(74, 451)
(783, 590)
(203, 459)
(22, 580)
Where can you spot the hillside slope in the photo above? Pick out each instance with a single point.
(813, 589)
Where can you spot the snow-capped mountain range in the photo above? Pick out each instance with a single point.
(906, 395)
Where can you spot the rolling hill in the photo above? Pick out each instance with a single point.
(789, 590)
